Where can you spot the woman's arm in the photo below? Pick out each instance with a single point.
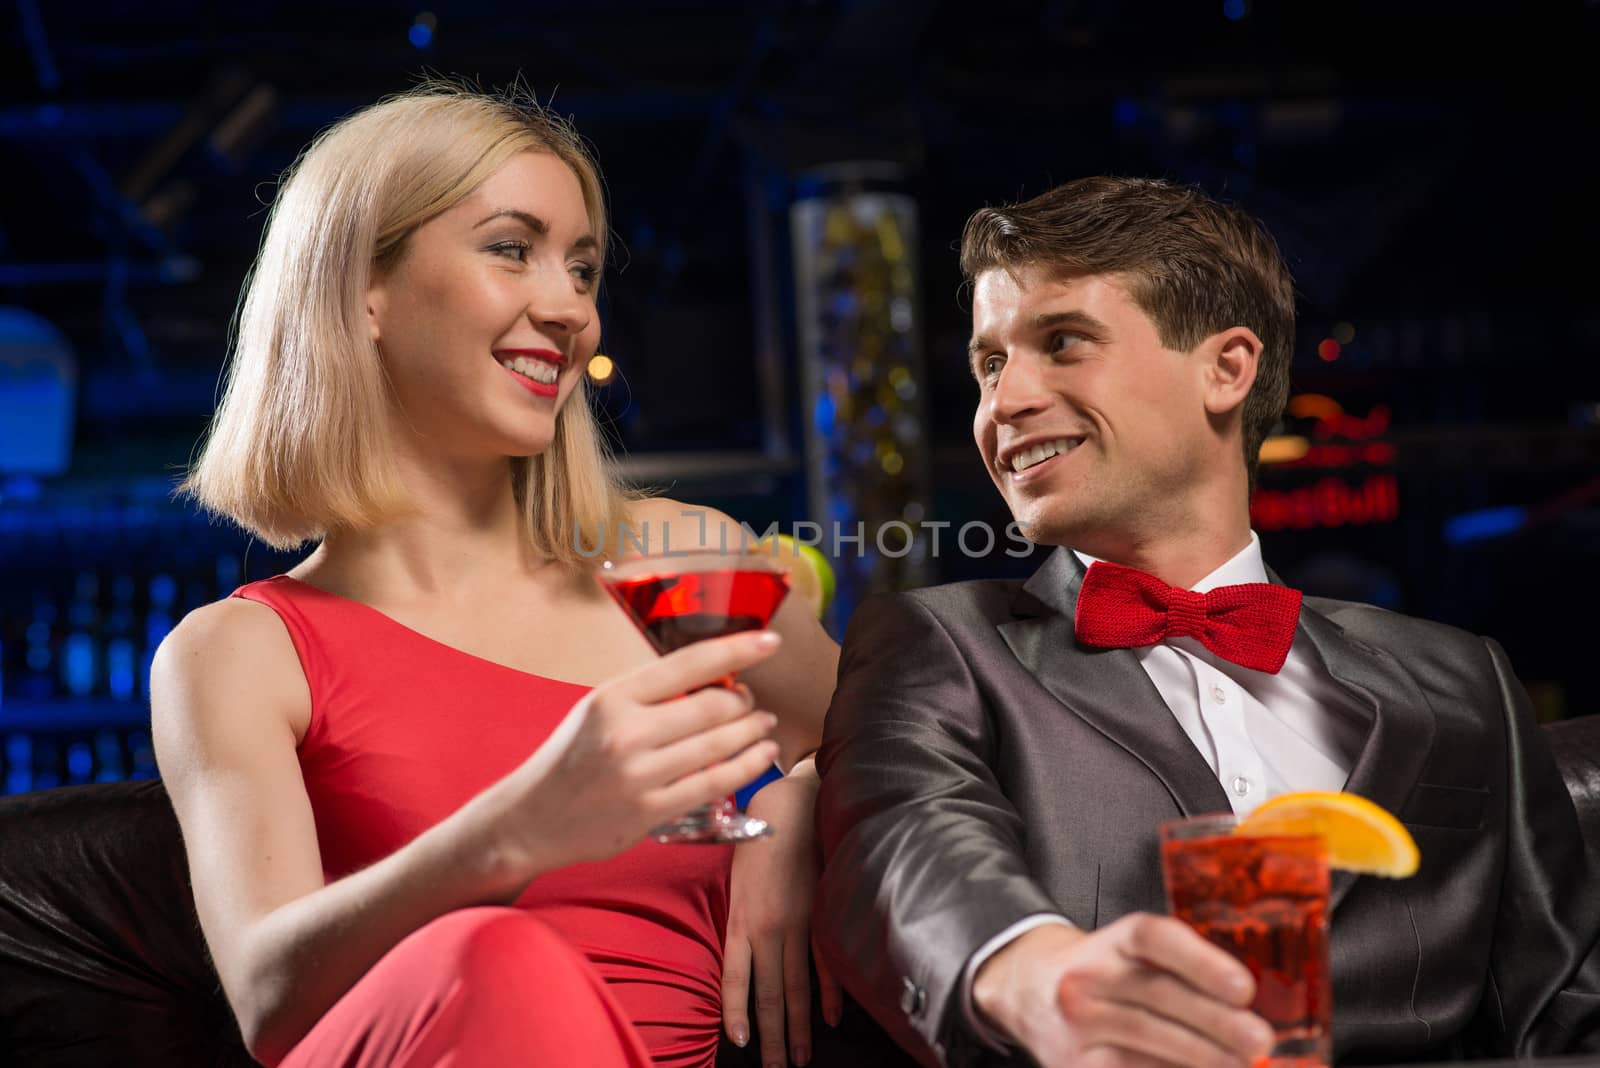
(226, 692)
(796, 685)
(769, 925)
(226, 686)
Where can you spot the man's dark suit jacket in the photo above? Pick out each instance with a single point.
(979, 766)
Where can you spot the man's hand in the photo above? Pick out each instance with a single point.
(1145, 990)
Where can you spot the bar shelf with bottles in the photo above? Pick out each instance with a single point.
(88, 590)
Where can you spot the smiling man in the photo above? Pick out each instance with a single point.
(998, 755)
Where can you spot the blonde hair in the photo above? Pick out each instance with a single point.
(298, 445)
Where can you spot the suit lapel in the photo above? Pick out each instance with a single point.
(1402, 730)
(1106, 687)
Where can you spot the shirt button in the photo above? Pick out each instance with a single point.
(1241, 785)
(1219, 695)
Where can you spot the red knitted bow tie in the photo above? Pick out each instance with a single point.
(1251, 625)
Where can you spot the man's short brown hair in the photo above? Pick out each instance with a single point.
(1196, 267)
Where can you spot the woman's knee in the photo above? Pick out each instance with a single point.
(495, 944)
(477, 986)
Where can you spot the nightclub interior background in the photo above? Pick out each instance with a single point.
(783, 313)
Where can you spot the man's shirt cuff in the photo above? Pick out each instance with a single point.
(990, 1038)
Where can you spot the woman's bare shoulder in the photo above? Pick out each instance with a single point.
(682, 525)
(229, 624)
(228, 654)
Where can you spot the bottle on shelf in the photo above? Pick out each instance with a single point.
(121, 671)
(19, 763)
(80, 763)
(40, 681)
(81, 655)
(108, 762)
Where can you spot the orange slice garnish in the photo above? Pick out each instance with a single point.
(1361, 836)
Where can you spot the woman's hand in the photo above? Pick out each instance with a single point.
(636, 752)
(769, 924)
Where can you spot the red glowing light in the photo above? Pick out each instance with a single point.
(1357, 428)
(1378, 452)
(1328, 350)
(1372, 453)
(1328, 503)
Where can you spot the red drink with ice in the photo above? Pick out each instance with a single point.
(1264, 899)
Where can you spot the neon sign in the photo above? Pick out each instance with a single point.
(1330, 501)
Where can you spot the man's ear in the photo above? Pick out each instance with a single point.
(1228, 368)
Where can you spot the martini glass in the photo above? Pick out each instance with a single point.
(679, 598)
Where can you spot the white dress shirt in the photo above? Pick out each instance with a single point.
(1262, 734)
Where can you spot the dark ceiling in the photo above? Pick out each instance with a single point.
(1423, 164)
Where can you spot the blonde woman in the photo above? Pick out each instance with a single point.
(414, 773)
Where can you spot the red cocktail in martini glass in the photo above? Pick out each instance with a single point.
(678, 598)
